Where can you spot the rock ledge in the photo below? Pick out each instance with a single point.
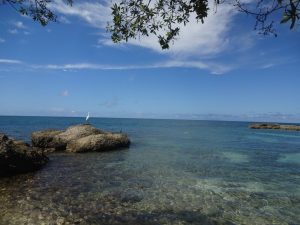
(275, 126)
(19, 157)
(79, 138)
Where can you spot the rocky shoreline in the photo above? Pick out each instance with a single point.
(275, 126)
(19, 157)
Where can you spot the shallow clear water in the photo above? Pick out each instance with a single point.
(175, 172)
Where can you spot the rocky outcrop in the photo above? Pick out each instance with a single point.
(45, 139)
(79, 138)
(275, 126)
(98, 142)
(19, 157)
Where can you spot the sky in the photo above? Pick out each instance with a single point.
(219, 70)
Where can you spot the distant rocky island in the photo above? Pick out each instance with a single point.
(19, 157)
(275, 126)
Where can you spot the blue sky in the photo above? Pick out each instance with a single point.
(219, 70)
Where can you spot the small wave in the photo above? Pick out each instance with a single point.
(290, 158)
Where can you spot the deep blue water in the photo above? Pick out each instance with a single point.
(175, 172)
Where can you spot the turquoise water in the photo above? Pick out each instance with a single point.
(175, 172)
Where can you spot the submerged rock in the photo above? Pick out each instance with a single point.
(79, 138)
(19, 157)
(275, 126)
(131, 196)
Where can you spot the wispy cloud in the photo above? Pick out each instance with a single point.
(110, 103)
(18, 28)
(196, 42)
(2, 40)
(213, 67)
(95, 14)
(10, 61)
(267, 66)
(13, 31)
(195, 38)
(65, 93)
(255, 117)
(272, 116)
(19, 25)
(64, 20)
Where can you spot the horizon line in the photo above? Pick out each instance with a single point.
(151, 118)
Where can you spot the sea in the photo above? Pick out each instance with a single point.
(175, 172)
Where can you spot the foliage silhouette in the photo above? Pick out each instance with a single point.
(162, 18)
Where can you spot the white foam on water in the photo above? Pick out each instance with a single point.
(290, 158)
(220, 186)
(235, 157)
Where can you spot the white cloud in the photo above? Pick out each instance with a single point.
(2, 40)
(81, 66)
(209, 65)
(65, 93)
(267, 66)
(213, 67)
(10, 61)
(196, 38)
(13, 31)
(19, 24)
(195, 41)
(64, 20)
(95, 14)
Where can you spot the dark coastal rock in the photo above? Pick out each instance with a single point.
(79, 138)
(19, 157)
(275, 126)
(45, 139)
